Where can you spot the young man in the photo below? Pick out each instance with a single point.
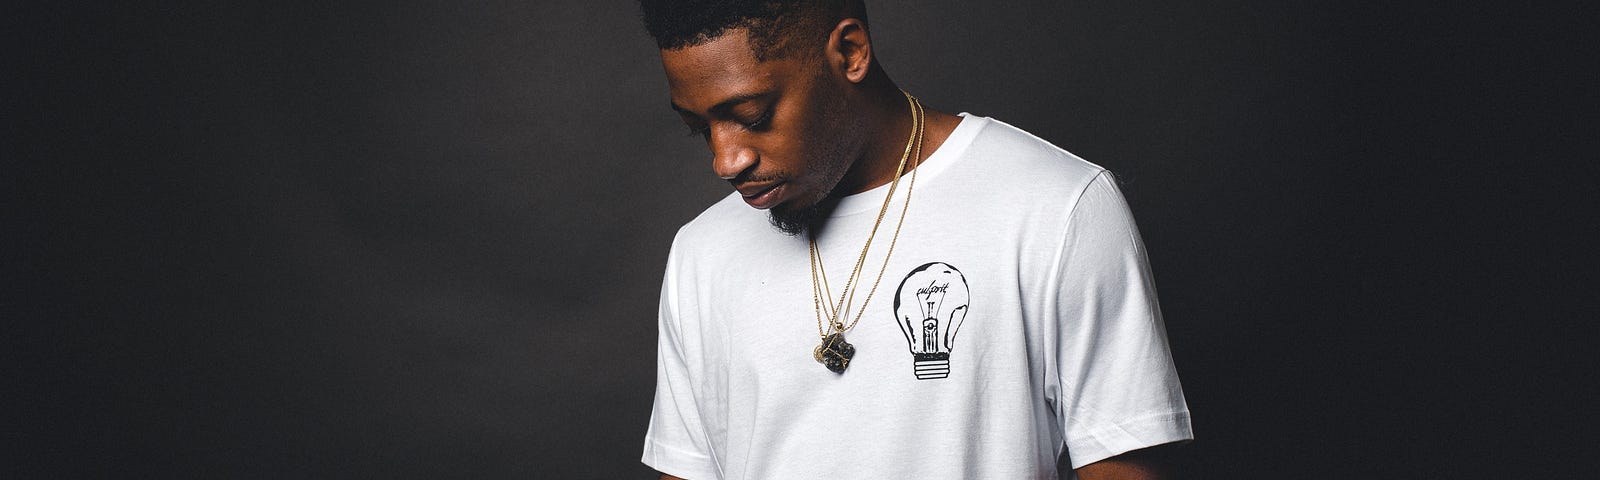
(926, 296)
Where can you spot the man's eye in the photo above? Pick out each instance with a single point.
(759, 122)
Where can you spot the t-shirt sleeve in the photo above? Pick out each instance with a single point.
(1117, 390)
(676, 441)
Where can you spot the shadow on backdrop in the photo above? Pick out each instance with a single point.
(425, 240)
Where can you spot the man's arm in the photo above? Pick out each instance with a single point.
(1115, 371)
(669, 477)
(1144, 464)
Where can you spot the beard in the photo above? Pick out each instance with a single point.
(798, 220)
(838, 152)
(830, 166)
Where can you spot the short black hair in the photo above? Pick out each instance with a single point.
(777, 28)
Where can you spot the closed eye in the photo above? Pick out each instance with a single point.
(759, 123)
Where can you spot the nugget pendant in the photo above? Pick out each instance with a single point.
(834, 352)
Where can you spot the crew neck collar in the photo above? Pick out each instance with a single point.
(937, 162)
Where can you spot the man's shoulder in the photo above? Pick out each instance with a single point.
(1026, 163)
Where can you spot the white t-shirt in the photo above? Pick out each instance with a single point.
(1017, 317)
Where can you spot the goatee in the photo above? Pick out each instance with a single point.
(795, 221)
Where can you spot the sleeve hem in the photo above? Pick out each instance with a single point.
(1112, 440)
(678, 463)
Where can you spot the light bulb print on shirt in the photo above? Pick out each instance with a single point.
(929, 306)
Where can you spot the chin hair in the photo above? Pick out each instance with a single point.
(796, 221)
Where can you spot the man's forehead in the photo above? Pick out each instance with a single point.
(724, 68)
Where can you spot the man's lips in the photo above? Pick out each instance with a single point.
(762, 196)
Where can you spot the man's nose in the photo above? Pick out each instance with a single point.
(729, 156)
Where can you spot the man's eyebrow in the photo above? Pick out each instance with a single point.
(724, 105)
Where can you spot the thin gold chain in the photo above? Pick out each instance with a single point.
(898, 223)
(826, 291)
(819, 279)
(847, 297)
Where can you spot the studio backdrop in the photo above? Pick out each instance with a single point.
(425, 239)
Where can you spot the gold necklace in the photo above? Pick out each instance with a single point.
(834, 352)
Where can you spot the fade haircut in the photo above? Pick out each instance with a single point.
(777, 28)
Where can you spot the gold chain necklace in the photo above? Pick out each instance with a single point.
(834, 353)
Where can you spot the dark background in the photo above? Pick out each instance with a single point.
(424, 239)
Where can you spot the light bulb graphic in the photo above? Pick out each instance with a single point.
(930, 305)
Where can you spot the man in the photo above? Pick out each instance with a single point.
(926, 296)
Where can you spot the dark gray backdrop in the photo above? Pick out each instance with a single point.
(424, 239)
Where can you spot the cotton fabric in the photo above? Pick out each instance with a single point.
(1016, 320)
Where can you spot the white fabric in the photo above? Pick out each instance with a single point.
(1060, 344)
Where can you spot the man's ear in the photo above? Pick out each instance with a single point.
(850, 49)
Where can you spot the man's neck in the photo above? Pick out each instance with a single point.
(892, 121)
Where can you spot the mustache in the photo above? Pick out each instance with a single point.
(751, 177)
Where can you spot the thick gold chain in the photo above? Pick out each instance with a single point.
(819, 276)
